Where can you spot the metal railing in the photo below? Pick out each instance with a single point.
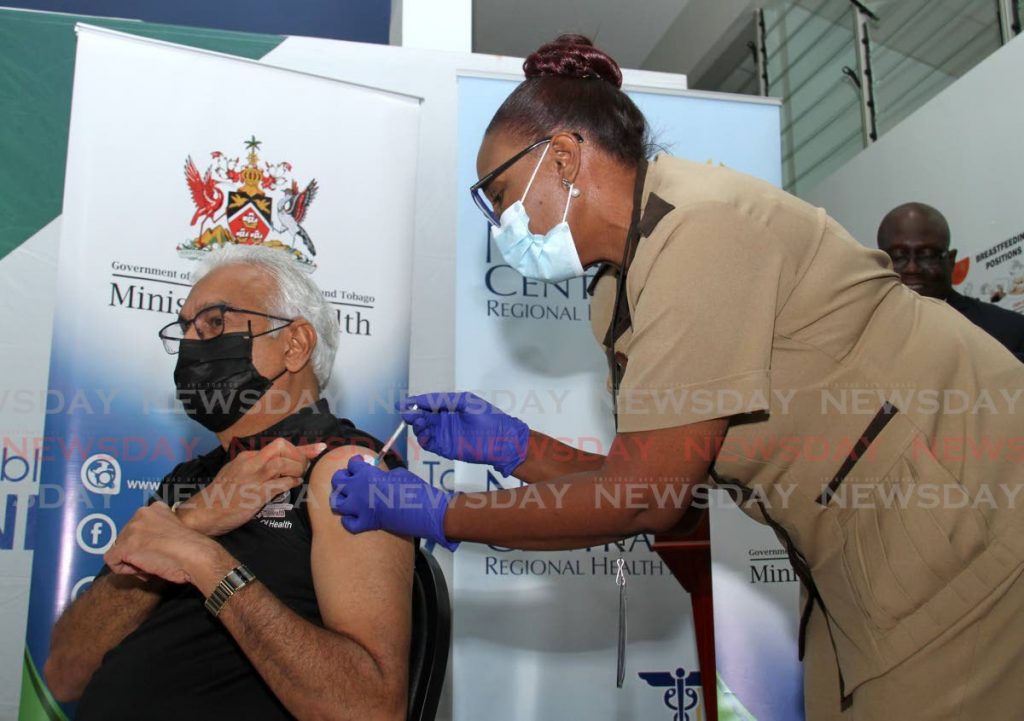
(849, 71)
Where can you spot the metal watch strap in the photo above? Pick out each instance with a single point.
(236, 579)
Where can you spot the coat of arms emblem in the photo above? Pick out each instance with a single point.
(263, 205)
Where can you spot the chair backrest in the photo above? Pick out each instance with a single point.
(431, 637)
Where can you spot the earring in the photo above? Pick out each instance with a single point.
(573, 190)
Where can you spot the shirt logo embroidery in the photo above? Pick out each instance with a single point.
(277, 508)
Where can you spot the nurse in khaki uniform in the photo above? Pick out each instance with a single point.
(752, 339)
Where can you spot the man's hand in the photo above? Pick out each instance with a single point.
(246, 484)
(156, 543)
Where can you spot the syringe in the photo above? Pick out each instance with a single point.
(391, 441)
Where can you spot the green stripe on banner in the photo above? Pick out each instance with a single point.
(37, 61)
(37, 704)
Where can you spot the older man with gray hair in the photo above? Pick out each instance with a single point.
(238, 594)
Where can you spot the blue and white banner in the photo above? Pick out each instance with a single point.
(174, 152)
(535, 633)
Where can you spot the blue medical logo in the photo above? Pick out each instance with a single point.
(96, 533)
(101, 473)
(682, 694)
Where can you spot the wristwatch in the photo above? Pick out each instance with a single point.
(237, 578)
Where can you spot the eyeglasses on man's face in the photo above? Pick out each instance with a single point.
(211, 322)
(928, 258)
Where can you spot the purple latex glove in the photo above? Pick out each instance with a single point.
(465, 427)
(369, 499)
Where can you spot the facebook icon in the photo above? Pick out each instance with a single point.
(96, 533)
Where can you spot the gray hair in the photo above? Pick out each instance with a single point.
(297, 296)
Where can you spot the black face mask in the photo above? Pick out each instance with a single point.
(216, 381)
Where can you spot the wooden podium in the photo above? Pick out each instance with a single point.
(686, 550)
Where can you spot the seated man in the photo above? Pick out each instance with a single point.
(916, 237)
(323, 629)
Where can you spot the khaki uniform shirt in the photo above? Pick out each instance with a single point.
(881, 430)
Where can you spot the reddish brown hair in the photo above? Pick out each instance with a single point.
(571, 85)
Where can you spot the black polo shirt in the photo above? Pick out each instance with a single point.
(181, 663)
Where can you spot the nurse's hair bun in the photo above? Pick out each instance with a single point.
(572, 56)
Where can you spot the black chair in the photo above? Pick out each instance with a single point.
(431, 637)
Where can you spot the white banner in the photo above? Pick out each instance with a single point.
(173, 152)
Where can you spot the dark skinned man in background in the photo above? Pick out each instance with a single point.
(916, 236)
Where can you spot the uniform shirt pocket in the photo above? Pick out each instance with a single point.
(909, 537)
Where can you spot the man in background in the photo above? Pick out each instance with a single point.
(916, 236)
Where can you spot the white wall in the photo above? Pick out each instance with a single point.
(433, 24)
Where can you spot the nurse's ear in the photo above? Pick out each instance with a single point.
(565, 151)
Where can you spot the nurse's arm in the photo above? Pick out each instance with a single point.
(644, 485)
(548, 458)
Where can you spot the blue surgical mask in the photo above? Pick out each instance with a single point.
(550, 257)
